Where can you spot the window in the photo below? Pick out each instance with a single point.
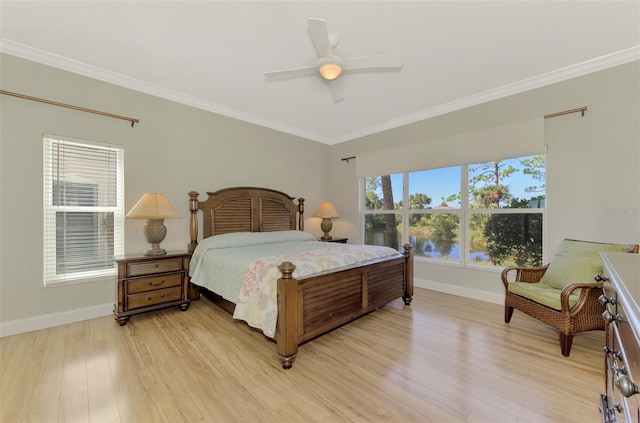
(505, 211)
(383, 220)
(83, 209)
(434, 213)
(487, 213)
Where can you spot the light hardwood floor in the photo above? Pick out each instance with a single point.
(443, 359)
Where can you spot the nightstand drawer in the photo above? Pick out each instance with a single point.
(154, 266)
(153, 283)
(159, 296)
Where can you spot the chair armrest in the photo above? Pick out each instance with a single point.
(523, 274)
(587, 290)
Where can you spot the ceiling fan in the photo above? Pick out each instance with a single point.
(329, 66)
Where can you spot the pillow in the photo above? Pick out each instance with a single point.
(244, 239)
(577, 262)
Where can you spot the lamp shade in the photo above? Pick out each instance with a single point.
(326, 211)
(153, 206)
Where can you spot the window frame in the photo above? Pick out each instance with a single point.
(464, 214)
(50, 236)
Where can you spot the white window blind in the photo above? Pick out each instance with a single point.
(83, 209)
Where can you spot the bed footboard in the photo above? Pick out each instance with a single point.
(311, 306)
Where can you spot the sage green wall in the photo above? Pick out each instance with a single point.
(593, 166)
(174, 149)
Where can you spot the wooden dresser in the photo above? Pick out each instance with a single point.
(147, 283)
(621, 400)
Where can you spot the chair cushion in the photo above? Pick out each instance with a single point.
(577, 262)
(542, 294)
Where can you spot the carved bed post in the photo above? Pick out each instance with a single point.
(193, 221)
(301, 214)
(408, 289)
(287, 330)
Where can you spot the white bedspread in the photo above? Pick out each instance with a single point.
(222, 270)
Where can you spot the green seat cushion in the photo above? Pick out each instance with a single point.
(577, 262)
(542, 294)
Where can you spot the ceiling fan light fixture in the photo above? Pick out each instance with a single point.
(330, 69)
(329, 66)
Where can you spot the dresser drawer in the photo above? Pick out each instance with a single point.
(630, 348)
(153, 283)
(146, 299)
(154, 266)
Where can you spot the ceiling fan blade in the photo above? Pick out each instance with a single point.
(307, 70)
(337, 90)
(320, 37)
(387, 61)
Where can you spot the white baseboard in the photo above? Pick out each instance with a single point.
(461, 291)
(29, 324)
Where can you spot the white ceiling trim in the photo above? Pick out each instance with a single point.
(590, 66)
(53, 60)
(594, 65)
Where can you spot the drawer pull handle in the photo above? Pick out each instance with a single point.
(157, 284)
(626, 387)
(618, 370)
(602, 299)
(149, 298)
(613, 409)
(609, 317)
(162, 296)
(615, 354)
(157, 265)
(608, 413)
(599, 278)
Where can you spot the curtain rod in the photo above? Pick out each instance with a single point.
(346, 159)
(566, 112)
(70, 106)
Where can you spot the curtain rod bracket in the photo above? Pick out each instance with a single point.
(346, 159)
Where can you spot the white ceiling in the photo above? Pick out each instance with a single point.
(212, 54)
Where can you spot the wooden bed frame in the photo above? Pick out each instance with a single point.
(313, 305)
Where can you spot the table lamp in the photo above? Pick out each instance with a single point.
(155, 208)
(326, 211)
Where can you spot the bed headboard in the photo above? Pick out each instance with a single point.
(244, 209)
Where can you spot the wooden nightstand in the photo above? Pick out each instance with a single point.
(147, 283)
(335, 239)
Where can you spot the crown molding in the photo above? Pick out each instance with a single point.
(614, 59)
(60, 62)
(618, 58)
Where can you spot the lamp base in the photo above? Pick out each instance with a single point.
(155, 252)
(154, 233)
(326, 226)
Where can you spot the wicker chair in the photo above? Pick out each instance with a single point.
(569, 305)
